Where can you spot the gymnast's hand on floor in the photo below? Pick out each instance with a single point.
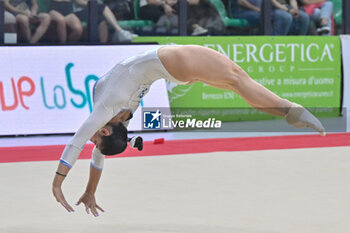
(57, 192)
(90, 203)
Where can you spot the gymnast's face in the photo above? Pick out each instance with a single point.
(97, 137)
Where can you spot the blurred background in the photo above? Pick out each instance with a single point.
(106, 21)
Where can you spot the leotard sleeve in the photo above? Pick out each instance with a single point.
(97, 159)
(99, 117)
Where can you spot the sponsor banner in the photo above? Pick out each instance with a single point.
(306, 70)
(47, 89)
(345, 40)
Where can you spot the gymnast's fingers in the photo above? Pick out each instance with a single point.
(98, 207)
(94, 211)
(87, 209)
(57, 192)
(67, 206)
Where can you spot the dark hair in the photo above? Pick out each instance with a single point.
(116, 142)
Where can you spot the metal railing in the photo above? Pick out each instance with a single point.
(266, 28)
(92, 23)
(346, 16)
(2, 23)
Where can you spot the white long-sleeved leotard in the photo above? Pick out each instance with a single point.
(122, 88)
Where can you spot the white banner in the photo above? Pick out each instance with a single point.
(345, 39)
(47, 89)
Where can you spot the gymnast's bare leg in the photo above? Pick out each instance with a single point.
(191, 63)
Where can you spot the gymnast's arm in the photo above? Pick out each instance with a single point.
(88, 198)
(99, 117)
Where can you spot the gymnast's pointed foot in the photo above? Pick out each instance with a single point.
(300, 117)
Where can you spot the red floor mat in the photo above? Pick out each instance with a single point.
(45, 153)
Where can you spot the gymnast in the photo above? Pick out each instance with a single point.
(118, 93)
